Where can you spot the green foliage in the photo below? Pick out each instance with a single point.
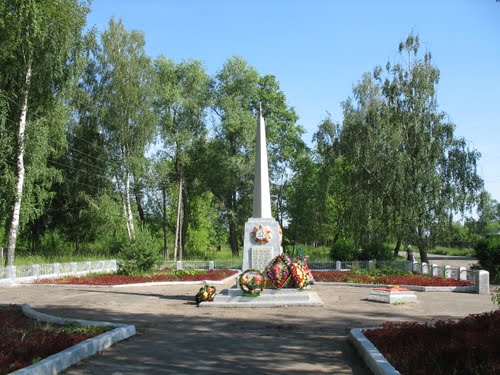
(187, 272)
(203, 233)
(28, 259)
(138, 255)
(376, 251)
(488, 254)
(344, 250)
(466, 252)
(53, 243)
(313, 253)
(381, 272)
(495, 298)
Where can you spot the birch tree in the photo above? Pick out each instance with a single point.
(127, 119)
(182, 100)
(38, 44)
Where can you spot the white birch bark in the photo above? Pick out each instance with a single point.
(128, 207)
(16, 211)
(130, 216)
(124, 206)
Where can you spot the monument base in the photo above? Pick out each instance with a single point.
(258, 252)
(392, 295)
(269, 298)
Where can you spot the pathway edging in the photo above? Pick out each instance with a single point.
(76, 353)
(375, 361)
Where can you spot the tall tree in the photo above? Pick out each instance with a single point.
(333, 197)
(127, 122)
(408, 168)
(183, 97)
(488, 210)
(230, 155)
(438, 171)
(38, 44)
(87, 183)
(368, 145)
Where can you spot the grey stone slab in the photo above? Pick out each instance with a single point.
(269, 298)
(388, 296)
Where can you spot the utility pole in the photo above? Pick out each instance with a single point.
(164, 196)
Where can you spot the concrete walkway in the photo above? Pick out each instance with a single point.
(442, 260)
(176, 337)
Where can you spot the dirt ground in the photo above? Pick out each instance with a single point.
(176, 337)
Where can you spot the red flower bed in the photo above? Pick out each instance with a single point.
(468, 346)
(422, 280)
(24, 341)
(112, 279)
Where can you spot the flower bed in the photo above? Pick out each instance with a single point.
(468, 346)
(421, 280)
(24, 341)
(113, 279)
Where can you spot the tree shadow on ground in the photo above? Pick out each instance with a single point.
(174, 336)
(173, 344)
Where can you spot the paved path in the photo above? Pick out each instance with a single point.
(442, 260)
(176, 337)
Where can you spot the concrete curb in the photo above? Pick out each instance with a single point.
(416, 288)
(156, 283)
(74, 354)
(375, 361)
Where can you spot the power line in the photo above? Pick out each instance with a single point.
(76, 169)
(74, 181)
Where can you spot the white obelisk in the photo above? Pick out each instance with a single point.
(262, 238)
(261, 193)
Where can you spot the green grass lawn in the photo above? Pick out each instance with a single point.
(314, 254)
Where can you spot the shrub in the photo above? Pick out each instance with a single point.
(344, 250)
(54, 243)
(488, 254)
(139, 255)
(382, 272)
(377, 251)
(495, 298)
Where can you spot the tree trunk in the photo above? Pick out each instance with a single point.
(397, 248)
(233, 238)
(130, 217)
(423, 255)
(422, 248)
(138, 201)
(16, 210)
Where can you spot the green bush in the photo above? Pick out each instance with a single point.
(139, 255)
(488, 254)
(54, 243)
(495, 298)
(344, 250)
(382, 272)
(376, 251)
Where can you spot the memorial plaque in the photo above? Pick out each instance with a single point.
(261, 257)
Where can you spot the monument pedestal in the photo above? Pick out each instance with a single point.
(392, 295)
(269, 298)
(261, 243)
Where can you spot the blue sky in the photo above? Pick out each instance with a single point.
(318, 49)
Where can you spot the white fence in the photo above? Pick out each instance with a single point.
(13, 274)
